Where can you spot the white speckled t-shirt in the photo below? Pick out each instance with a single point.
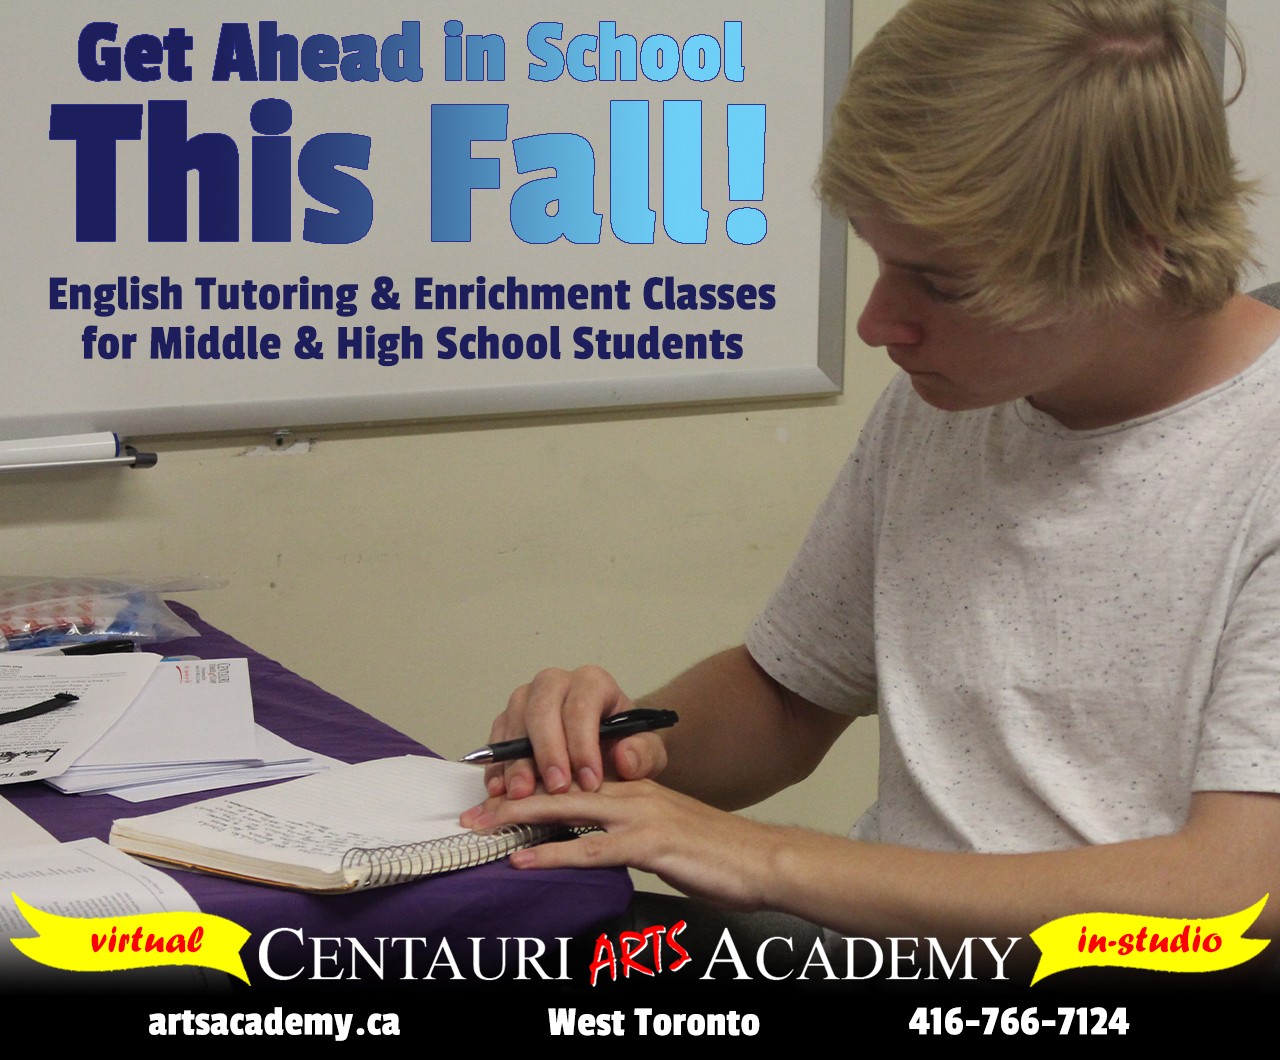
(1065, 633)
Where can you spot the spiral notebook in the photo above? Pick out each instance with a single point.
(369, 825)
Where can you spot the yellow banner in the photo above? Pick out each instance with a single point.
(146, 940)
(1166, 944)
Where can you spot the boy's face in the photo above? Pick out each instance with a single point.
(957, 360)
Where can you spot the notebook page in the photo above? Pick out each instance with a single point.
(314, 821)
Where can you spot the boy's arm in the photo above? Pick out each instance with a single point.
(1223, 860)
(741, 736)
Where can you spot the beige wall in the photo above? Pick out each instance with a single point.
(423, 572)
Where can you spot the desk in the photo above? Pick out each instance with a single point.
(488, 902)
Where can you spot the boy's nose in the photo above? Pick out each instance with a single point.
(886, 319)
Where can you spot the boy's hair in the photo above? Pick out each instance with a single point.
(1074, 151)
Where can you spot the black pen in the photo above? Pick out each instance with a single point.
(614, 727)
(61, 699)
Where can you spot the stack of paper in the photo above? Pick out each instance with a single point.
(141, 728)
(190, 729)
(98, 688)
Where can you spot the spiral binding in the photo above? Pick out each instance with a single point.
(387, 866)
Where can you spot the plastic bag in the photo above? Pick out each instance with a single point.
(50, 612)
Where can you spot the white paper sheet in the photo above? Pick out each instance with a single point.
(49, 744)
(281, 760)
(200, 711)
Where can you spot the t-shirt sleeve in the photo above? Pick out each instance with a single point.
(1240, 735)
(815, 635)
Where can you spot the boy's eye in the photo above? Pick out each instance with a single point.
(946, 295)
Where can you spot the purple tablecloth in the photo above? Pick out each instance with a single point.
(490, 902)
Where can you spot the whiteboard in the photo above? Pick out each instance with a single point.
(259, 215)
(1252, 120)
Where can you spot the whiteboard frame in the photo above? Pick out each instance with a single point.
(816, 372)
